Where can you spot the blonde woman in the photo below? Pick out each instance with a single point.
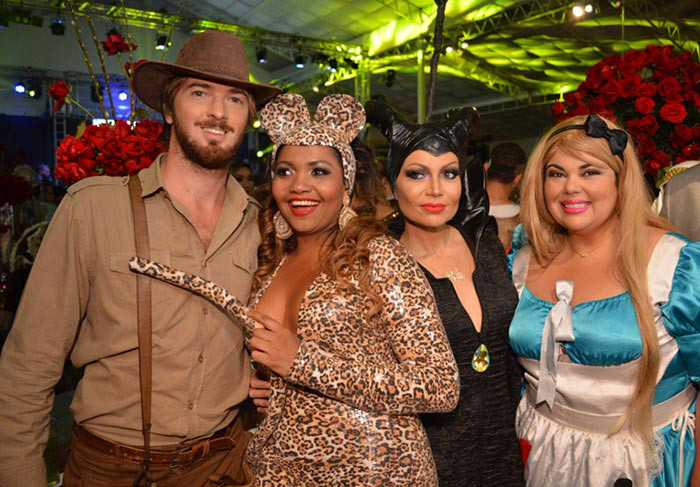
(608, 323)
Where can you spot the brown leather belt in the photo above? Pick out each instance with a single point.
(223, 439)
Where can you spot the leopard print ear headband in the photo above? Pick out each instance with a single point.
(338, 120)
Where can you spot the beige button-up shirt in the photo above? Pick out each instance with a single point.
(80, 301)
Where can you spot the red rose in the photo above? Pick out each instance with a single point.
(652, 167)
(579, 110)
(659, 54)
(111, 147)
(121, 129)
(629, 86)
(116, 44)
(648, 125)
(644, 105)
(673, 112)
(646, 89)
(574, 98)
(668, 86)
(661, 157)
(645, 147)
(611, 91)
(97, 135)
(132, 146)
(674, 98)
(149, 129)
(691, 151)
(129, 68)
(558, 108)
(683, 132)
(598, 104)
(59, 91)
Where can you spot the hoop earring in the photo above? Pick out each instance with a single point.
(282, 229)
(346, 212)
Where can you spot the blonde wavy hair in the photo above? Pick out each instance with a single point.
(548, 238)
(346, 255)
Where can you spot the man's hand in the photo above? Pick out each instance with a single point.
(273, 344)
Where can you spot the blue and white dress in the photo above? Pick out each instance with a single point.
(575, 396)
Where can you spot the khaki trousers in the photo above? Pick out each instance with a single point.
(87, 467)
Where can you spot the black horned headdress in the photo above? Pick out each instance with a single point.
(451, 134)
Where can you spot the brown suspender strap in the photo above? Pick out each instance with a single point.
(143, 314)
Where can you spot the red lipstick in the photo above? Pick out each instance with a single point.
(433, 207)
(302, 206)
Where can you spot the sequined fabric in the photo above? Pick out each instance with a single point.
(346, 412)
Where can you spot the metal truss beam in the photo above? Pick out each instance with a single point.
(405, 9)
(158, 20)
(530, 10)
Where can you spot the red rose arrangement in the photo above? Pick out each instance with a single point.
(653, 93)
(115, 44)
(112, 150)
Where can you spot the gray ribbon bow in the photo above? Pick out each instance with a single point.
(559, 327)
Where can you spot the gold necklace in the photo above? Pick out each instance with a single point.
(586, 253)
(454, 275)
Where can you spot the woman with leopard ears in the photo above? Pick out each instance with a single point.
(343, 319)
(350, 330)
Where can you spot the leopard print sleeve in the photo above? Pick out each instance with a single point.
(419, 376)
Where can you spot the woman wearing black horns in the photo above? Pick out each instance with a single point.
(444, 223)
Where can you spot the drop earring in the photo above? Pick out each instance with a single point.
(346, 212)
(282, 229)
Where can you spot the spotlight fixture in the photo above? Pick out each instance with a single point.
(578, 11)
(299, 61)
(162, 42)
(316, 89)
(34, 89)
(390, 78)
(333, 65)
(58, 28)
(262, 55)
(260, 153)
(588, 8)
(464, 45)
(449, 49)
(123, 96)
(256, 124)
(20, 88)
(320, 58)
(21, 16)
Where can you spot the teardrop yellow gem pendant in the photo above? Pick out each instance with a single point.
(481, 359)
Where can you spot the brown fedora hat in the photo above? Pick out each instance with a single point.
(212, 55)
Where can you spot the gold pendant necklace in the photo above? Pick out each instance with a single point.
(454, 275)
(586, 253)
(481, 359)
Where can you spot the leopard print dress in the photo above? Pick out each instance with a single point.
(346, 413)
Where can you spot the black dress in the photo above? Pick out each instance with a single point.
(476, 444)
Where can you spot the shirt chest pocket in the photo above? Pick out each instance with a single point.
(124, 280)
(241, 279)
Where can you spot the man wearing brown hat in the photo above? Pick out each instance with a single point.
(165, 371)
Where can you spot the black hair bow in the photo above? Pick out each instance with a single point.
(594, 126)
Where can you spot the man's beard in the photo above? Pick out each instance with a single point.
(209, 156)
